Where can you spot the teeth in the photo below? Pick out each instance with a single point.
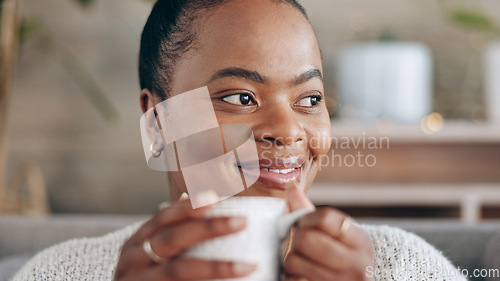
(286, 171)
(278, 171)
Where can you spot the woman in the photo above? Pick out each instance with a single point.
(262, 65)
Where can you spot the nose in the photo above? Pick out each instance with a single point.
(280, 126)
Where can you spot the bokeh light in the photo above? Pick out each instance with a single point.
(432, 123)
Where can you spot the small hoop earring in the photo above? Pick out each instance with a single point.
(154, 153)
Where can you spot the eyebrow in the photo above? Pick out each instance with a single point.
(238, 72)
(256, 77)
(306, 76)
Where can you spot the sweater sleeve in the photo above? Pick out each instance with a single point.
(77, 259)
(401, 255)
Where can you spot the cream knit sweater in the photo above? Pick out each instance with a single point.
(399, 255)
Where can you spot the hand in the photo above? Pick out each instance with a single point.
(320, 250)
(171, 231)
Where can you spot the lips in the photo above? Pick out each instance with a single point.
(275, 173)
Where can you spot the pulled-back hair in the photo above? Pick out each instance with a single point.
(167, 35)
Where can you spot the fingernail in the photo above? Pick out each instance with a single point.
(297, 199)
(240, 268)
(163, 205)
(237, 222)
(184, 196)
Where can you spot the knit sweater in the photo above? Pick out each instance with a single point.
(399, 255)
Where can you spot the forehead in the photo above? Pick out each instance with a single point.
(274, 39)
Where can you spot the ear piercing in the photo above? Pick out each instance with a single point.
(154, 153)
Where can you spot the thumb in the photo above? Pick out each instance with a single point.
(296, 198)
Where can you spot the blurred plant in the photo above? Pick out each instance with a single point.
(28, 28)
(387, 35)
(473, 19)
(70, 63)
(85, 3)
(482, 27)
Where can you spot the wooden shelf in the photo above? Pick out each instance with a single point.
(456, 169)
(415, 162)
(469, 198)
(452, 131)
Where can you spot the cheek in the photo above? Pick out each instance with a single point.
(320, 136)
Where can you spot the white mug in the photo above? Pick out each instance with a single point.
(259, 243)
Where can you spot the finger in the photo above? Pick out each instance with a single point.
(178, 211)
(330, 221)
(134, 259)
(297, 265)
(289, 277)
(322, 249)
(166, 204)
(173, 240)
(296, 199)
(143, 276)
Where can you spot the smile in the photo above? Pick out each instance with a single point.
(275, 173)
(278, 171)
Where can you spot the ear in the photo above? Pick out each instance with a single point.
(152, 125)
(148, 100)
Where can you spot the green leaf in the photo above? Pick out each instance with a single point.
(472, 19)
(387, 35)
(85, 3)
(27, 29)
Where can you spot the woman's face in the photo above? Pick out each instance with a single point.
(262, 65)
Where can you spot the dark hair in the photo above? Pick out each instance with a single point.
(167, 35)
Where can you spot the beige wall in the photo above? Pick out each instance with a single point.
(92, 166)
(456, 51)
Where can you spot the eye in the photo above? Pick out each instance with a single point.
(310, 101)
(239, 99)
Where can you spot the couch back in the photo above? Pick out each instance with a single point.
(471, 247)
(467, 246)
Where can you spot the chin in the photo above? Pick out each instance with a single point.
(259, 190)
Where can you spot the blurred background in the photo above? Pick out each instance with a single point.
(411, 85)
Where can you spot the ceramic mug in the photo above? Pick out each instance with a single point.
(259, 243)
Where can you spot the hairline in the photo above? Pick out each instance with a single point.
(193, 32)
